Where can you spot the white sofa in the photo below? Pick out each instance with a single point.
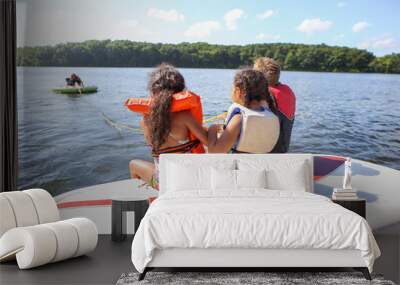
(31, 231)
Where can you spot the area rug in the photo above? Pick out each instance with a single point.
(244, 278)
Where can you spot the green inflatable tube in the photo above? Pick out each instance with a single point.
(75, 90)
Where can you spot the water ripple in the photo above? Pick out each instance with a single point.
(66, 144)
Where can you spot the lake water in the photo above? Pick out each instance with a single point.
(68, 142)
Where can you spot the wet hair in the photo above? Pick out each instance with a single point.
(75, 77)
(255, 87)
(164, 82)
(270, 68)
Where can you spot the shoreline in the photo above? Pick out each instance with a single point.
(126, 53)
(205, 68)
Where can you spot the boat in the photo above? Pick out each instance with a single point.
(377, 184)
(75, 90)
(94, 202)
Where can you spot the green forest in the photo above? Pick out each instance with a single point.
(123, 53)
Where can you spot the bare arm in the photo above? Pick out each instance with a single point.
(225, 142)
(195, 128)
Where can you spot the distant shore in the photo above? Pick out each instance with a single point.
(123, 53)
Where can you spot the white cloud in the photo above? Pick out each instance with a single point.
(202, 29)
(311, 26)
(265, 15)
(268, 37)
(165, 15)
(358, 27)
(231, 18)
(383, 42)
(341, 4)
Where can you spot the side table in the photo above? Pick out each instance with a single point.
(119, 207)
(358, 206)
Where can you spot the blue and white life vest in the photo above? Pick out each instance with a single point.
(259, 131)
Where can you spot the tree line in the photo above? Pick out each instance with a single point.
(124, 53)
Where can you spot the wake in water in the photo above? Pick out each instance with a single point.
(119, 126)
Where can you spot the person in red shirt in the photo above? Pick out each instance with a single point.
(284, 98)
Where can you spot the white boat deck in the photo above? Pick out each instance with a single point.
(94, 202)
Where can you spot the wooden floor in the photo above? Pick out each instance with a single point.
(110, 259)
(103, 266)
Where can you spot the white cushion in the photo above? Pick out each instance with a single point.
(27, 208)
(40, 244)
(67, 239)
(227, 179)
(46, 207)
(223, 179)
(191, 176)
(290, 175)
(87, 233)
(7, 220)
(251, 178)
(32, 246)
(248, 161)
(23, 208)
(294, 180)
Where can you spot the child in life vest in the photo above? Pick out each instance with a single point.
(251, 125)
(166, 131)
(284, 98)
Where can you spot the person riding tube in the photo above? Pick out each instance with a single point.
(74, 81)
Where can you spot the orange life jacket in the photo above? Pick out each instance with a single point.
(182, 101)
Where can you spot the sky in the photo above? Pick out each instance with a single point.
(365, 24)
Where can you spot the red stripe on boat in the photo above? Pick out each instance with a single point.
(85, 203)
(324, 165)
(333, 157)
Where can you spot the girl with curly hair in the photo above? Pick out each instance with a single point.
(165, 131)
(251, 126)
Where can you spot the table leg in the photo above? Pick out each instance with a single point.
(140, 210)
(117, 221)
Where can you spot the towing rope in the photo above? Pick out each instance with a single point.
(122, 126)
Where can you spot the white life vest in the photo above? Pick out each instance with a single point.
(259, 132)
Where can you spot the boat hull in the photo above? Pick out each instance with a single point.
(377, 184)
(94, 202)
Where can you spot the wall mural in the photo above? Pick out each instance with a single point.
(76, 133)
